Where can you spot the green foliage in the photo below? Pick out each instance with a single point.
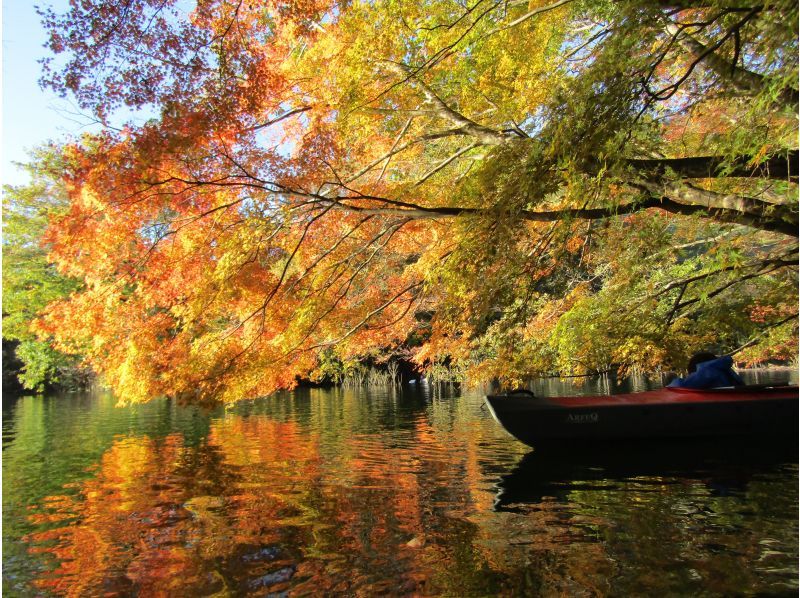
(43, 365)
(30, 281)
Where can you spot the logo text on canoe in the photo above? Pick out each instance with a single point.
(583, 418)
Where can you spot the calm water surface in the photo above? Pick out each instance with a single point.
(356, 492)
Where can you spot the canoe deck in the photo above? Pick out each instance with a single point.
(664, 413)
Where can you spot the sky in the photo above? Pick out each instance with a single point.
(30, 116)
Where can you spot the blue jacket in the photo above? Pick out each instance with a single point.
(710, 374)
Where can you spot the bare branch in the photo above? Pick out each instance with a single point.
(484, 134)
(277, 119)
(446, 161)
(530, 14)
(744, 80)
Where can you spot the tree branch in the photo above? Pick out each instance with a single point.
(446, 161)
(742, 79)
(411, 210)
(483, 133)
(755, 340)
(277, 119)
(736, 209)
(530, 14)
(782, 166)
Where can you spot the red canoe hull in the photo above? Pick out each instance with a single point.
(665, 413)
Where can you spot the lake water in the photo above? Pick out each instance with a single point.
(408, 491)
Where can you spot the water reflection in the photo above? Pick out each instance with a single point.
(724, 466)
(691, 515)
(406, 492)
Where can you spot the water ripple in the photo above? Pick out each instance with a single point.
(372, 493)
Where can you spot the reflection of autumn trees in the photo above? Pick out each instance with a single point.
(130, 526)
(264, 504)
(312, 500)
(53, 444)
(369, 512)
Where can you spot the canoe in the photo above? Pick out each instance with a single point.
(664, 413)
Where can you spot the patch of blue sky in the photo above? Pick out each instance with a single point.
(32, 116)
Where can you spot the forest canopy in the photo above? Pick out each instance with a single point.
(514, 188)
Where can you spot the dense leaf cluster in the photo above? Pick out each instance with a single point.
(30, 281)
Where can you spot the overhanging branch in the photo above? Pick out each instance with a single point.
(783, 166)
(742, 79)
(723, 215)
(743, 209)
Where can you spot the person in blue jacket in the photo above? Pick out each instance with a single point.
(706, 370)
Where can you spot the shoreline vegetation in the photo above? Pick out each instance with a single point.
(365, 375)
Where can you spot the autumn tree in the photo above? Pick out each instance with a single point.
(514, 187)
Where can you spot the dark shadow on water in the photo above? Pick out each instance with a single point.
(724, 466)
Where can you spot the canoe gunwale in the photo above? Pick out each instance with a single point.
(665, 396)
